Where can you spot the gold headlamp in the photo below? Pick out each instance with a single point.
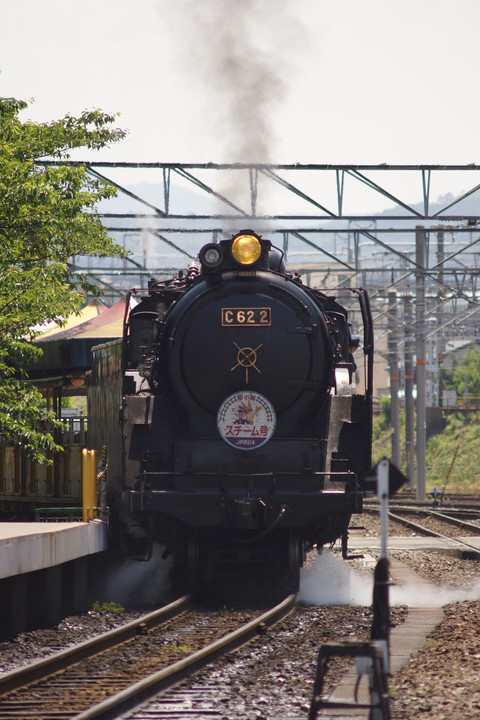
(246, 249)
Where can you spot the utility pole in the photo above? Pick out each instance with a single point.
(409, 381)
(440, 314)
(394, 376)
(420, 243)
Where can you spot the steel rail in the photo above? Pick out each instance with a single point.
(421, 508)
(446, 517)
(415, 526)
(455, 521)
(432, 533)
(150, 686)
(59, 661)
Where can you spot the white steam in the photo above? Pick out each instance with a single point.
(432, 597)
(332, 582)
(139, 583)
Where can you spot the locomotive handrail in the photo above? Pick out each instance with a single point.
(140, 313)
(348, 474)
(368, 341)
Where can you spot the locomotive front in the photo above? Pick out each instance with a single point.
(233, 446)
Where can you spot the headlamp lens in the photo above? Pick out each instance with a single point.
(212, 256)
(246, 249)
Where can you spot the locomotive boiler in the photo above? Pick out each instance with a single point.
(242, 439)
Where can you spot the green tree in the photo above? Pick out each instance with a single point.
(467, 374)
(47, 215)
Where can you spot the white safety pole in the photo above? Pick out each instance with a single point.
(382, 494)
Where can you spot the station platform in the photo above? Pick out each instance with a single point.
(47, 570)
(27, 547)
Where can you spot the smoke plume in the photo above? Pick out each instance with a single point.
(238, 59)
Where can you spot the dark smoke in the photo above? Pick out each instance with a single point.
(246, 79)
(240, 58)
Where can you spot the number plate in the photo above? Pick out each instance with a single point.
(246, 317)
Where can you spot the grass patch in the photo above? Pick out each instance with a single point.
(110, 607)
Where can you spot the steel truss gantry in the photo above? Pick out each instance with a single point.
(316, 213)
(360, 174)
(408, 233)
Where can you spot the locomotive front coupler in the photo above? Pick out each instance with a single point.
(262, 533)
(246, 513)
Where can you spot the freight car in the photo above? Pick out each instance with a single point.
(241, 438)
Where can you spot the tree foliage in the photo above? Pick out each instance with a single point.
(466, 376)
(452, 458)
(47, 215)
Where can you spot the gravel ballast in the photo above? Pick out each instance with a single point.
(273, 677)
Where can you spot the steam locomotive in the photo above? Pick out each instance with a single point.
(241, 439)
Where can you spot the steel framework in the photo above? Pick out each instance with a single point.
(408, 233)
(317, 214)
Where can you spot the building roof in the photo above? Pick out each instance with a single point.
(67, 351)
(93, 309)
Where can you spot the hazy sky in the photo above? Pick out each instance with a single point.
(344, 81)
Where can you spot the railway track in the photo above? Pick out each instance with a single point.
(450, 500)
(119, 670)
(272, 678)
(441, 518)
(438, 524)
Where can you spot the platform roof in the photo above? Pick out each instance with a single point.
(94, 308)
(67, 351)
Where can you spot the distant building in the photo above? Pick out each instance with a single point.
(456, 350)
